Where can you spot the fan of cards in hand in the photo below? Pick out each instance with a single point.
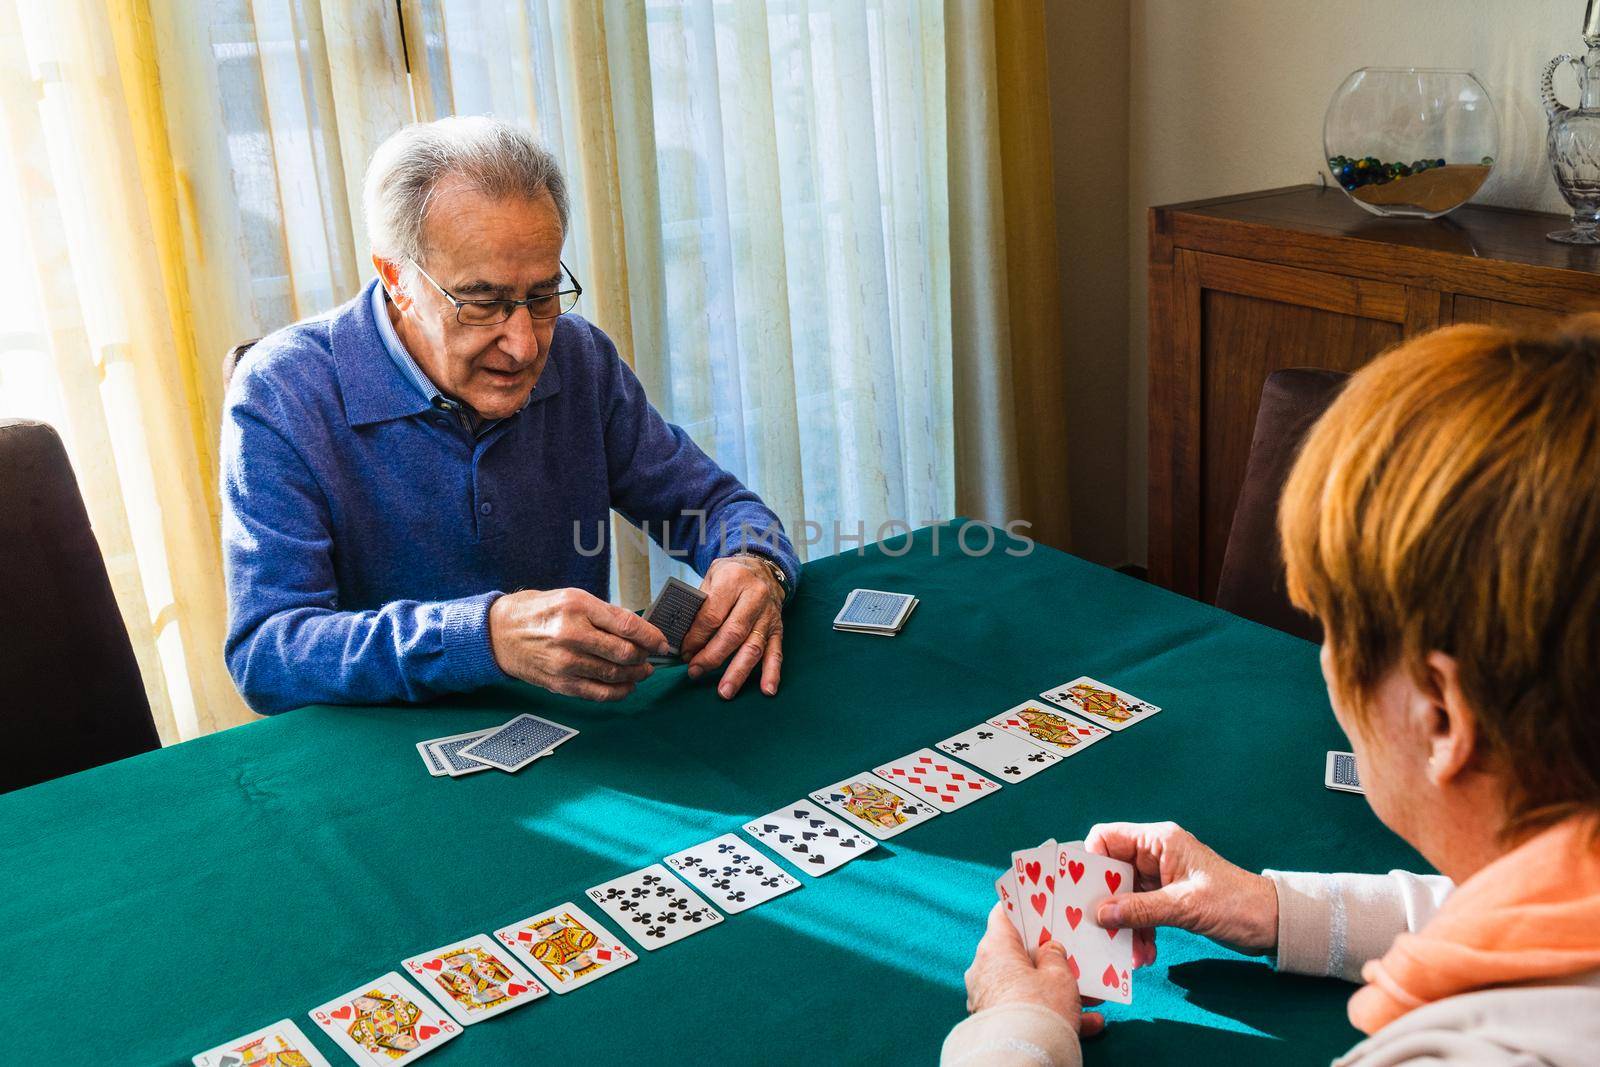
(1051, 893)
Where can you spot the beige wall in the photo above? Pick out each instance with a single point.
(1226, 96)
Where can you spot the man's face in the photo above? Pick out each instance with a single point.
(480, 248)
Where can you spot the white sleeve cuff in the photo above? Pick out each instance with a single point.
(1012, 1035)
(1332, 924)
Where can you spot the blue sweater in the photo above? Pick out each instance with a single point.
(365, 533)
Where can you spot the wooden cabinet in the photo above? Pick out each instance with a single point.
(1301, 277)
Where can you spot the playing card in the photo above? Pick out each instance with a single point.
(1101, 958)
(874, 611)
(673, 613)
(519, 742)
(874, 805)
(1104, 704)
(999, 752)
(567, 947)
(385, 1022)
(654, 907)
(808, 837)
(939, 780)
(446, 751)
(1033, 869)
(1048, 728)
(435, 764)
(474, 979)
(1005, 887)
(732, 872)
(280, 1043)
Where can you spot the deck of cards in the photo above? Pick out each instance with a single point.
(1051, 893)
(506, 748)
(673, 612)
(872, 611)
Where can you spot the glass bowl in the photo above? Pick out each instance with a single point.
(1410, 143)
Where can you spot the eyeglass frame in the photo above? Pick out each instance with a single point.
(525, 302)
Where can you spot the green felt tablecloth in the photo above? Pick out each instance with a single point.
(161, 905)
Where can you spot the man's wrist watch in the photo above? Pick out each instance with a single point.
(772, 569)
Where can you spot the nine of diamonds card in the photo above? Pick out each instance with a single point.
(732, 872)
(938, 779)
(280, 1043)
(385, 1022)
(654, 907)
(474, 979)
(566, 946)
(874, 805)
(1104, 704)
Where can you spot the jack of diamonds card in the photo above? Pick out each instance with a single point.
(384, 1022)
(1101, 958)
(475, 979)
(874, 805)
(938, 779)
(1101, 703)
(567, 946)
(1034, 721)
(279, 1045)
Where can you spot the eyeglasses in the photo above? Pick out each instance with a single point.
(494, 312)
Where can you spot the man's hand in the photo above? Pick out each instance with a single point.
(743, 618)
(1180, 882)
(572, 642)
(1001, 973)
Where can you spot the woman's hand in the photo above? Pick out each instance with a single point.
(1001, 973)
(1180, 882)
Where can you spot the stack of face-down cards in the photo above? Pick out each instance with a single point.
(507, 748)
(1051, 893)
(872, 611)
(672, 613)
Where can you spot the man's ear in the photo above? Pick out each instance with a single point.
(389, 276)
(1451, 727)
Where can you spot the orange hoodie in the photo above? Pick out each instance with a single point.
(1532, 915)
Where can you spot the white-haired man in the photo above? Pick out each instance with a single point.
(405, 479)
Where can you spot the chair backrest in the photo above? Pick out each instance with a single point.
(230, 362)
(73, 695)
(1251, 583)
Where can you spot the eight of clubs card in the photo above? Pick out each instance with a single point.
(384, 1022)
(874, 805)
(999, 752)
(1034, 870)
(732, 872)
(279, 1045)
(567, 947)
(654, 907)
(808, 837)
(1049, 729)
(1100, 957)
(941, 781)
(1101, 703)
(474, 979)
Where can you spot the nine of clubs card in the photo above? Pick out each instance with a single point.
(654, 907)
(732, 872)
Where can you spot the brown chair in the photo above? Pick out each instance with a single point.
(230, 362)
(1251, 583)
(73, 695)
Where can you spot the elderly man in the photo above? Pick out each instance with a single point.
(405, 479)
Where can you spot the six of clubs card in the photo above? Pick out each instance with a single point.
(1101, 703)
(474, 979)
(808, 837)
(654, 907)
(384, 1022)
(874, 805)
(567, 947)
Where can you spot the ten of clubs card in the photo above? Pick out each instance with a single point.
(282, 1042)
(474, 979)
(385, 1022)
(1101, 703)
(567, 947)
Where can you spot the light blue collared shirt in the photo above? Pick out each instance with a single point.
(414, 373)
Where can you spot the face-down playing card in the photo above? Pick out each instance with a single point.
(1101, 703)
(519, 742)
(567, 947)
(732, 872)
(384, 1022)
(936, 778)
(999, 752)
(1035, 721)
(809, 838)
(879, 808)
(654, 907)
(1101, 958)
(281, 1043)
(673, 612)
(474, 979)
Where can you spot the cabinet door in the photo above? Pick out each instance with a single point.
(1231, 323)
(1500, 313)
